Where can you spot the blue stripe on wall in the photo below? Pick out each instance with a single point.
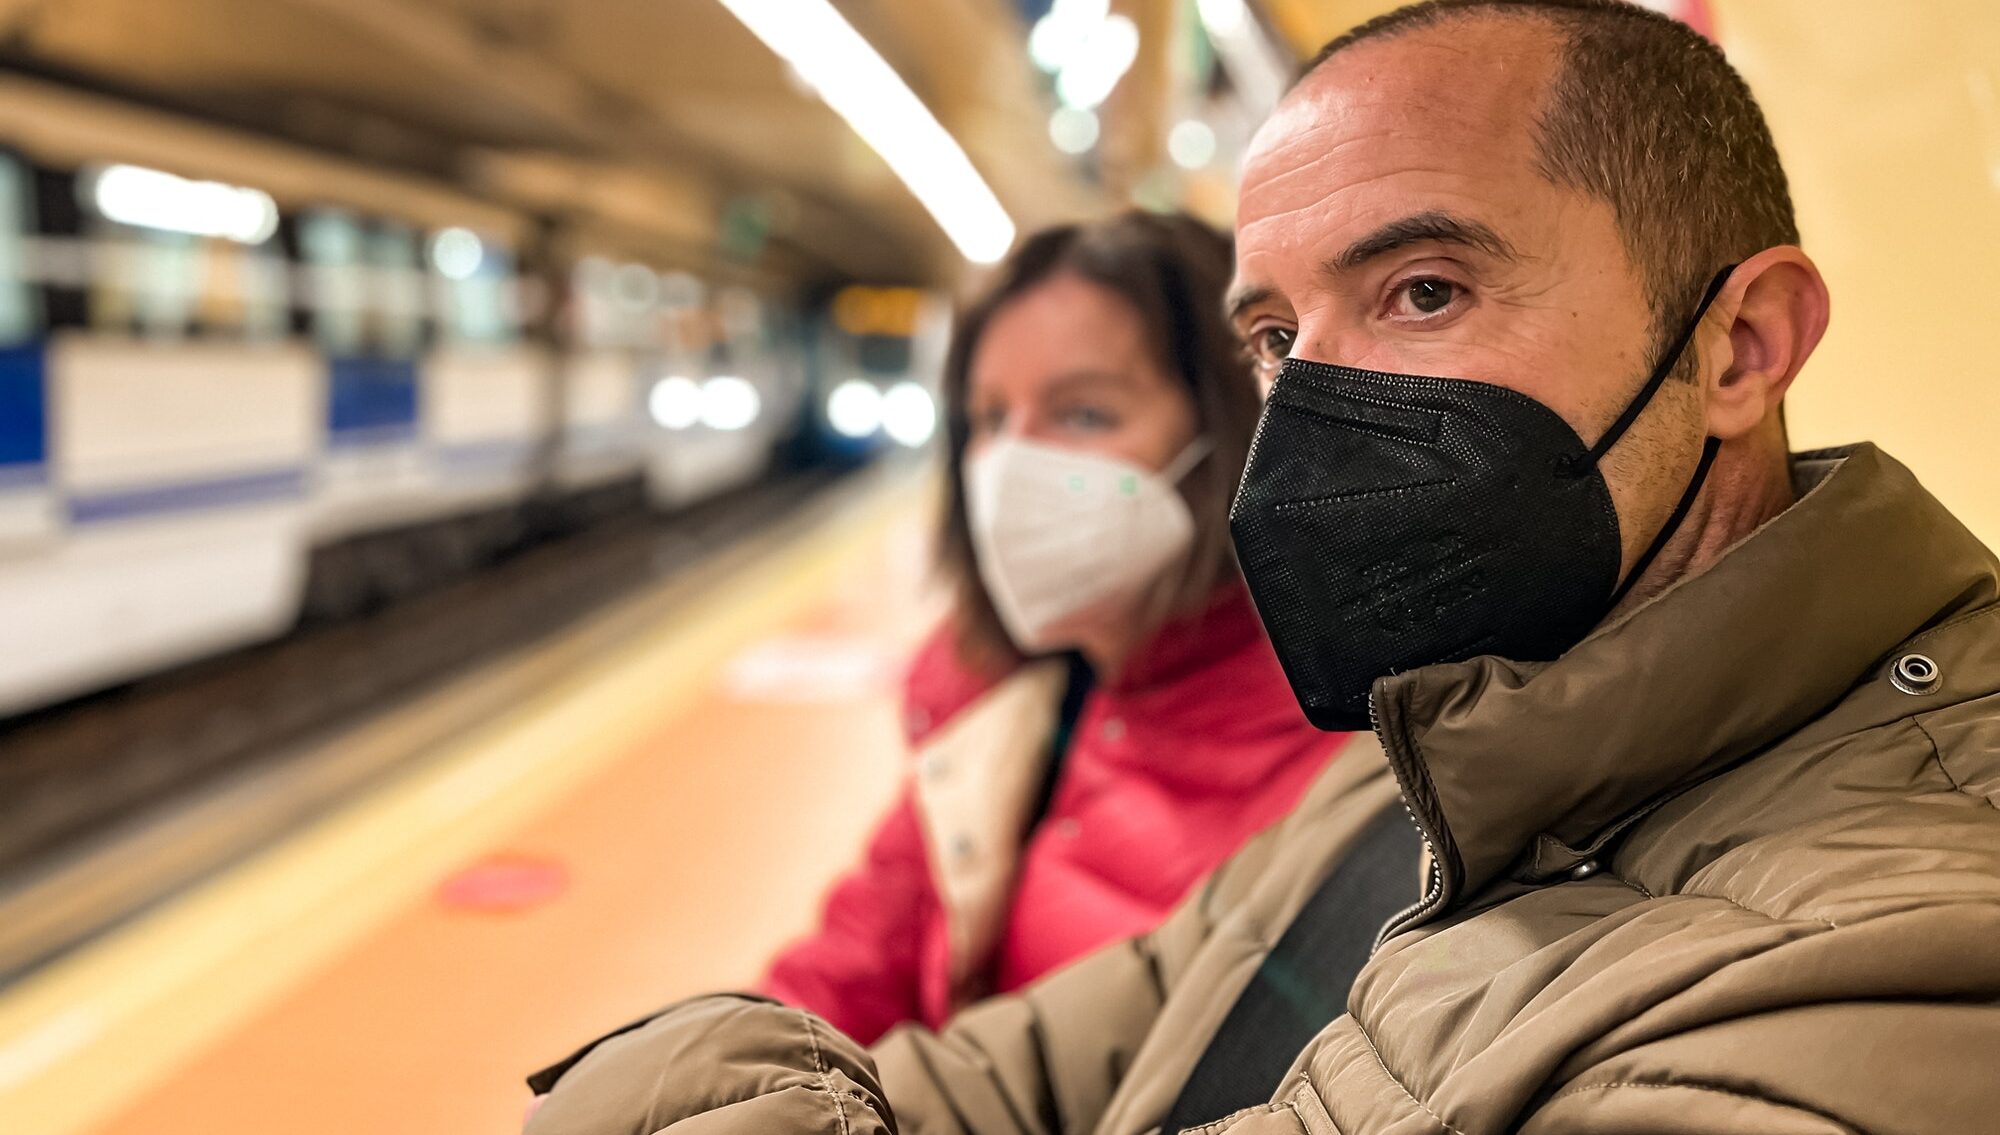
(24, 437)
(369, 398)
(17, 477)
(187, 496)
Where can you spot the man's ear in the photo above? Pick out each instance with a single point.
(1775, 309)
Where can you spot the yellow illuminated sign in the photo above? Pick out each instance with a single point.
(859, 310)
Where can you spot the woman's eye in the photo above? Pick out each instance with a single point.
(1270, 346)
(1089, 418)
(1428, 296)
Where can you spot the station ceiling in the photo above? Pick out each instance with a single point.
(664, 122)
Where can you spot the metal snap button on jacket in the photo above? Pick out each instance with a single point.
(1916, 674)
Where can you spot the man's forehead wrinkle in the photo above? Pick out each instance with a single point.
(1411, 127)
(1309, 168)
(1445, 192)
(1325, 156)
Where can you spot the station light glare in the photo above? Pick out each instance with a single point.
(854, 409)
(729, 403)
(154, 199)
(1093, 71)
(1224, 17)
(909, 414)
(675, 402)
(1055, 38)
(681, 290)
(456, 253)
(636, 285)
(1191, 144)
(1259, 71)
(1073, 131)
(860, 86)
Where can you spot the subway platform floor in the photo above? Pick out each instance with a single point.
(650, 825)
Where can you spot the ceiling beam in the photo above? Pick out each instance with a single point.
(607, 124)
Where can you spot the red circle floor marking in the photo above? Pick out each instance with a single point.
(504, 883)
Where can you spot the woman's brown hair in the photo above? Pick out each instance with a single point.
(1172, 270)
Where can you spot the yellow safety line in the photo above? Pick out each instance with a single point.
(87, 1035)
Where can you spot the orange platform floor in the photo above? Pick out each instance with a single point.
(652, 827)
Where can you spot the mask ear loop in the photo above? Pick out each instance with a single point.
(1708, 451)
(1667, 364)
(1183, 463)
(1709, 446)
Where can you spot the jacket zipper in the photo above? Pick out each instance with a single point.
(1434, 886)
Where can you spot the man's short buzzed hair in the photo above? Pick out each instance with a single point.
(1645, 114)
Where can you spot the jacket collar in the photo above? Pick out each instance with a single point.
(1534, 766)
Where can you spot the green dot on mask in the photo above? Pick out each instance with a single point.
(1129, 485)
(1076, 483)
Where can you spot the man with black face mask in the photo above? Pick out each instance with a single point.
(1701, 738)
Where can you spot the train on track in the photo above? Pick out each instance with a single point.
(244, 382)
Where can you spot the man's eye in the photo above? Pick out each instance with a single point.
(1270, 346)
(1428, 297)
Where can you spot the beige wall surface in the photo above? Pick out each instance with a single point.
(1888, 117)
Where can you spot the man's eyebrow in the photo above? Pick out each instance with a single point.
(1440, 227)
(1434, 226)
(1244, 298)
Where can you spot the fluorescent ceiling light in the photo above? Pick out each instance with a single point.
(860, 86)
(1224, 17)
(1253, 63)
(153, 199)
(1056, 36)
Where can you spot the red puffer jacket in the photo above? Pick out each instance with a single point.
(1198, 746)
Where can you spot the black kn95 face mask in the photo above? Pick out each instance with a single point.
(1390, 521)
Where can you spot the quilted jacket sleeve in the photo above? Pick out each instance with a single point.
(1048, 1059)
(859, 968)
(1045, 1060)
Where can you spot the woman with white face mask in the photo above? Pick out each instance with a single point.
(1102, 722)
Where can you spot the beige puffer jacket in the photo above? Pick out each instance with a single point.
(1732, 865)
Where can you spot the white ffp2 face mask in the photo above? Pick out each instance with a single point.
(1057, 531)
